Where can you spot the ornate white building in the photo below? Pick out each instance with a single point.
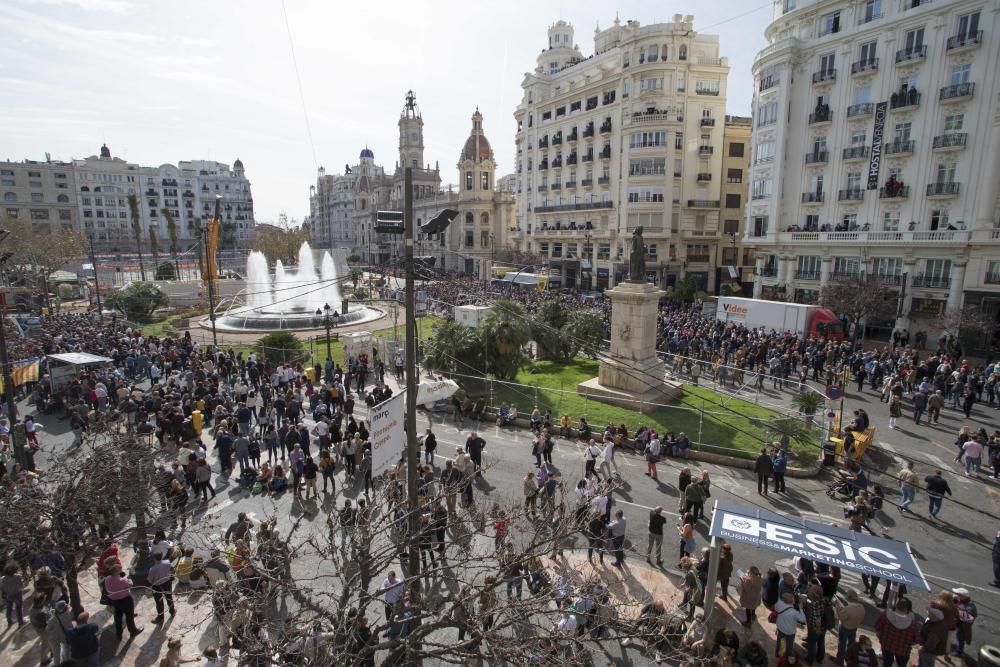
(876, 148)
(629, 136)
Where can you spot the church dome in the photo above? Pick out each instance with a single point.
(238, 164)
(367, 153)
(477, 147)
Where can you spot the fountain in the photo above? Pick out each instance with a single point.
(291, 298)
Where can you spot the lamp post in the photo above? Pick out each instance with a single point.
(17, 436)
(97, 281)
(329, 320)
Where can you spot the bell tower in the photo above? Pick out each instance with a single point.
(411, 134)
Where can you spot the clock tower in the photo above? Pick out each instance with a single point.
(411, 134)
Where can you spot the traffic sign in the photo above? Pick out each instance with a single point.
(833, 392)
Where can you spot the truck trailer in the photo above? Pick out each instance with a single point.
(805, 321)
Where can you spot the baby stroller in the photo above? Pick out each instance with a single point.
(840, 488)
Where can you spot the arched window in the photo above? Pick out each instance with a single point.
(9, 196)
(468, 180)
(484, 218)
(62, 199)
(470, 218)
(84, 189)
(682, 52)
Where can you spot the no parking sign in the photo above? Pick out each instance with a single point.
(834, 392)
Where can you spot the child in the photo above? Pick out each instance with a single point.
(694, 638)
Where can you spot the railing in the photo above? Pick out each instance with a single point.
(904, 100)
(824, 75)
(603, 180)
(757, 196)
(699, 259)
(911, 53)
(963, 40)
(708, 122)
(898, 147)
(647, 172)
(707, 91)
(864, 109)
(807, 275)
(813, 197)
(557, 140)
(932, 282)
(646, 118)
(705, 150)
(937, 237)
(768, 82)
(606, 154)
(901, 192)
(817, 156)
(605, 128)
(557, 163)
(589, 157)
(992, 279)
(587, 206)
(942, 189)
(957, 91)
(588, 131)
(853, 194)
(570, 184)
(571, 159)
(820, 117)
(704, 176)
(587, 182)
(767, 272)
(703, 203)
(543, 143)
(572, 137)
(870, 65)
(543, 188)
(952, 140)
(557, 186)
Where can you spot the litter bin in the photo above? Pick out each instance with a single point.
(829, 454)
(196, 421)
(989, 656)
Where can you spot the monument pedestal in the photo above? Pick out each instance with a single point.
(632, 373)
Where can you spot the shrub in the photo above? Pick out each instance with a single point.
(137, 301)
(281, 347)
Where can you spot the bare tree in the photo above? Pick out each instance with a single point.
(864, 298)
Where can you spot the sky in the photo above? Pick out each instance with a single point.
(177, 80)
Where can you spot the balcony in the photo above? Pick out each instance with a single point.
(586, 206)
(767, 83)
(703, 203)
(570, 184)
(557, 139)
(853, 194)
(813, 197)
(704, 177)
(768, 272)
(860, 110)
(817, 157)
(708, 122)
(588, 131)
(964, 41)
(707, 91)
(572, 135)
(587, 182)
(932, 282)
(864, 66)
(151, 193)
(899, 147)
(943, 189)
(856, 153)
(606, 127)
(543, 188)
(605, 153)
(571, 159)
(556, 186)
(911, 54)
(557, 163)
(705, 150)
(588, 156)
(824, 76)
(759, 196)
(901, 192)
(908, 99)
(543, 143)
(648, 118)
(698, 259)
(957, 92)
(823, 115)
(952, 141)
(603, 180)
(807, 275)
(992, 279)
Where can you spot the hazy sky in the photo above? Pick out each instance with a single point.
(184, 79)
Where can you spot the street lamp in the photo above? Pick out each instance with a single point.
(329, 320)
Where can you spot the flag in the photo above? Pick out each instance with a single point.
(23, 372)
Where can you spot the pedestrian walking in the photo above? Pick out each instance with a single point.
(119, 590)
(608, 459)
(750, 589)
(920, 400)
(12, 588)
(895, 409)
(656, 523)
(474, 446)
(907, 486)
(590, 456)
(967, 613)
(764, 467)
(937, 487)
(616, 530)
(530, 489)
(161, 582)
(430, 445)
(933, 639)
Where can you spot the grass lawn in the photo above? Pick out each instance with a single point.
(727, 426)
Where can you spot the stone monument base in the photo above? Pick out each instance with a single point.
(667, 392)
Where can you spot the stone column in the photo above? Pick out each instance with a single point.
(782, 267)
(909, 270)
(957, 284)
(825, 268)
(758, 279)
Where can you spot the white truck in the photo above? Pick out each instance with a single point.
(805, 321)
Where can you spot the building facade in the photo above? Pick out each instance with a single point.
(42, 193)
(876, 148)
(735, 263)
(628, 137)
(187, 191)
(468, 245)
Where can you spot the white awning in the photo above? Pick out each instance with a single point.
(80, 358)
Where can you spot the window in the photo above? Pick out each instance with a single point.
(484, 218)
(890, 221)
(767, 114)
(733, 200)
(6, 172)
(65, 214)
(645, 195)
(736, 149)
(761, 188)
(682, 53)
(939, 219)
(868, 52)
(850, 221)
(960, 74)
(937, 271)
(888, 267)
(902, 132)
(787, 6)
(39, 214)
(484, 180)
(862, 95)
(484, 239)
(759, 225)
(829, 23)
(854, 180)
(34, 174)
(946, 172)
(914, 40)
(651, 84)
(734, 175)
(827, 63)
(12, 213)
(706, 140)
(36, 197)
(816, 183)
(647, 167)
(647, 139)
(954, 122)
(819, 144)
(470, 218)
(764, 152)
(680, 81)
(846, 265)
(872, 11)
(468, 180)
(731, 226)
(553, 68)
(35, 184)
(679, 141)
(968, 25)
(859, 138)
(707, 87)
(556, 249)
(808, 265)
(9, 196)
(7, 181)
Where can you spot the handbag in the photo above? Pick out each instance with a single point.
(772, 617)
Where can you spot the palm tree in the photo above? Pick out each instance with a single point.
(504, 333)
(454, 348)
(808, 402)
(172, 235)
(154, 248)
(133, 205)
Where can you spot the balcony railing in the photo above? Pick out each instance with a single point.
(957, 91)
(605, 127)
(557, 140)
(807, 275)
(707, 91)
(944, 189)
(767, 82)
(603, 180)
(817, 157)
(899, 147)
(586, 206)
(698, 259)
(853, 194)
(902, 100)
(589, 156)
(855, 152)
(893, 238)
(606, 153)
(824, 75)
(570, 184)
(911, 53)
(543, 143)
(705, 150)
(703, 203)
(767, 272)
(864, 109)
(557, 186)
(965, 40)
(992, 279)
(952, 140)
(588, 131)
(557, 163)
(708, 122)
(571, 159)
(572, 136)
(587, 182)
(813, 197)
(932, 282)
(543, 188)
(704, 177)
(820, 116)
(861, 66)
(900, 192)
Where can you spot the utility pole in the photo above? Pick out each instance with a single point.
(97, 282)
(409, 308)
(209, 271)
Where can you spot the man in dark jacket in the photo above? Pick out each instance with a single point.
(933, 638)
(937, 487)
(919, 405)
(764, 467)
(474, 447)
(996, 561)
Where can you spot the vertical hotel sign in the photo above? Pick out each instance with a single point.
(877, 136)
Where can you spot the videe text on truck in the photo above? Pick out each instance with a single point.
(803, 320)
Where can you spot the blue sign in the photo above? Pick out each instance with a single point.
(839, 547)
(833, 392)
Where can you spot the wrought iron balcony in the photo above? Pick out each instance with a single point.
(857, 110)
(911, 53)
(911, 98)
(855, 153)
(932, 282)
(824, 75)
(823, 115)
(899, 147)
(705, 150)
(957, 92)
(951, 140)
(853, 194)
(708, 122)
(862, 66)
(965, 40)
(813, 197)
(817, 157)
(703, 203)
(943, 189)
(704, 177)
(899, 192)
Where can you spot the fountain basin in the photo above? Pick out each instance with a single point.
(268, 321)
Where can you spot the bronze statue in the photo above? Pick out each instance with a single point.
(637, 258)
